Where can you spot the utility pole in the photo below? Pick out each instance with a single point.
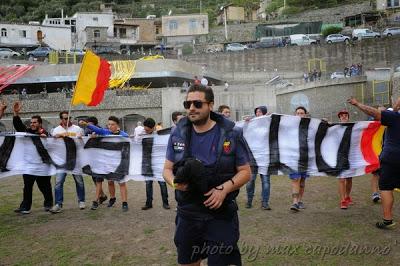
(284, 4)
(201, 6)
(225, 24)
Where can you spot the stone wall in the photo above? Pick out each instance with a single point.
(371, 53)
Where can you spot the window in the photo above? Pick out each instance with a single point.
(95, 19)
(67, 22)
(122, 33)
(115, 32)
(3, 32)
(23, 33)
(96, 33)
(381, 92)
(173, 25)
(192, 24)
(73, 29)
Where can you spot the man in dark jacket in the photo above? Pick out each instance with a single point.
(43, 182)
(207, 224)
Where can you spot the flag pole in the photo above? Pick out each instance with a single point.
(73, 93)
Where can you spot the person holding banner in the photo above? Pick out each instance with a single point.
(67, 129)
(216, 156)
(43, 182)
(345, 183)
(299, 178)
(92, 120)
(3, 107)
(113, 129)
(265, 179)
(149, 128)
(389, 178)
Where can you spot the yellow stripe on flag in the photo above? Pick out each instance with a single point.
(87, 80)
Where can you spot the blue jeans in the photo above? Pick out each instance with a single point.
(265, 185)
(149, 192)
(59, 187)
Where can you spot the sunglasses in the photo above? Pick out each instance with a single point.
(197, 104)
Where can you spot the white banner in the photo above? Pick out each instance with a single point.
(280, 144)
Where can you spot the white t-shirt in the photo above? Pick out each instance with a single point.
(204, 82)
(139, 131)
(73, 131)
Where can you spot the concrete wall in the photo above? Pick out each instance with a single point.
(371, 53)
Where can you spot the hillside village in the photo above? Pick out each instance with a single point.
(109, 32)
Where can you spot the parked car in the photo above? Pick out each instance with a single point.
(337, 75)
(301, 39)
(359, 34)
(8, 53)
(391, 31)
(41, 51)
(267, 42)
(233, 47)
(77, 51)
(335, 38)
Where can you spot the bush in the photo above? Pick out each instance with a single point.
(331, 30)
(291, 10)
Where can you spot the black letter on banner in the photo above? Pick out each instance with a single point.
(5, 152)
(342, 159)
(274, 157)
(303, 137)
(147, 149)
(122, 169)
(70, 146)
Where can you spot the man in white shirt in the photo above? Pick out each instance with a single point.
(67, 130)
(139, 131)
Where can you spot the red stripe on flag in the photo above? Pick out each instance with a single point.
(103, 77)
(367, 148)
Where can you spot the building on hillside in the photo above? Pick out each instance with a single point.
(180, 29)
(234, 14)
(82, 22)
(261, 14)
(387, 4)
(286, 29)
(366, 18)
(33, 35)
(134, 33)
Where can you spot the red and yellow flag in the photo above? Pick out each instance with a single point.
(92, 81)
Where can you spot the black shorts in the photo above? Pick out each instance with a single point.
(97, 179)
(215, 239)
(389, 177)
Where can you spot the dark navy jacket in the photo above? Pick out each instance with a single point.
(223, 170)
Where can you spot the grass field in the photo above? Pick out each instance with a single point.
(321, 234)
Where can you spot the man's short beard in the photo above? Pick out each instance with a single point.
(201, 121)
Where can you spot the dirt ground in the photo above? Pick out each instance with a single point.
(320, 234)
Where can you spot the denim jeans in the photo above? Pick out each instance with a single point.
(149, 192)
(59, 187)
(265, 188)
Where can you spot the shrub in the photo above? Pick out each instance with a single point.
(331, 30)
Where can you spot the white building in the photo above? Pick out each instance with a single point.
(81, 22)
(33, 34)
(181, 29)
(387, 4)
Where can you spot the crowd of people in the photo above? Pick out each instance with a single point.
(207, 143)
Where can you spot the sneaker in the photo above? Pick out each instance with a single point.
(301, 205)
(102, 199)
(383, 225)
(295, 207)
(146, 207)
(24, 211)
(56, 209)
(125, 206)
(349, 200)
(47, 208)
(111, 202)
(343, 205)
(265, 206)
(18, 210)
(376, 197)
(82, 205)
(95, 205)
(166, 206)
(248, 205)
